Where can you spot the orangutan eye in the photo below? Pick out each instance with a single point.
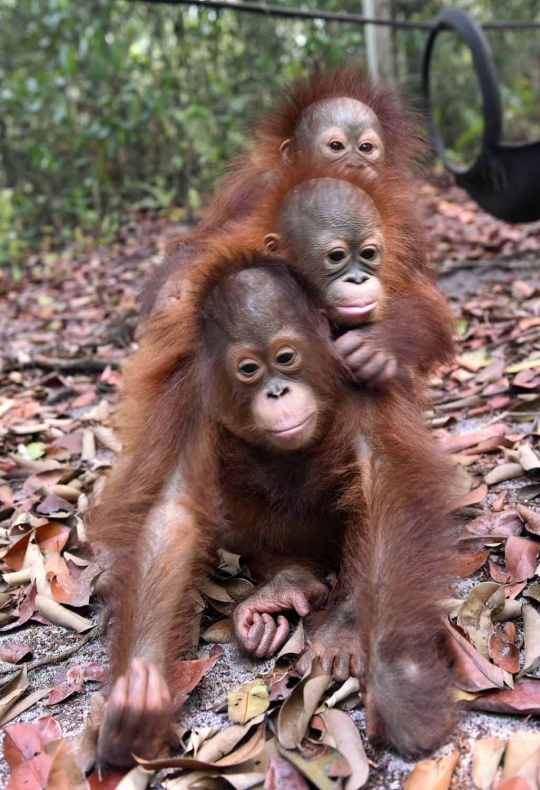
(366, 148)
(286, 356)
(336, 145)
(336, 256)
(248, 368)
(369, 253)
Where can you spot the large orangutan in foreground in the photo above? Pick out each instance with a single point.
(260, 442)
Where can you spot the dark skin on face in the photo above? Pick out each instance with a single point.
(343, 132)
(334, 233)
(269, 401)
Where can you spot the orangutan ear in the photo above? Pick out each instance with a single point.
(271, 241)
(285, 150)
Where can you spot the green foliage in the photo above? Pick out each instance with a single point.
(111, 104)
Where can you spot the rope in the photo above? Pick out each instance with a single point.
(269, 10)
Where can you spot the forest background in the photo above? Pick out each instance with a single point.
(110, 107)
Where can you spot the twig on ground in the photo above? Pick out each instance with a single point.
(98, 630)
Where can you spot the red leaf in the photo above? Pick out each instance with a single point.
(15, 556)
(23, 752)
(49, 729)
(188, 674)
(520, 555)
(52, 536)
(75, 592)
(464, 565)
(502, 524)
(71, 442)
(503, 652)
(282, 774)
(473, 671)
(13, 651)
(531, 519)
(54, 505)
(455, 444)
(26, 608)
(524, 700)
(61, 692)
(107, 781)
(90, 671)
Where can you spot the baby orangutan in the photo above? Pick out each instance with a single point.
(338, 119)
(333, 233)
(260, 423)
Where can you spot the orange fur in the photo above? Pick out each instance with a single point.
(251, 174)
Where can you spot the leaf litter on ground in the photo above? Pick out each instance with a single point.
(58, 385)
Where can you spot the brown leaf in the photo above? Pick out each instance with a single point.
(503, 472)
(281, 774)
(475, 614)
(474, 497)
(221, 632)
(523, 699)
(319, 763)
(487, 755)
(348, 742)
(522, 757)
(26, 758)
(70, 441)
(52, 536)
(464, 565)
(67, 589)
(520, 555)
(433, 774)
(462, 441)
(502, 524)
(531, 629)
(64, 773)
(54, 505)
(27, 607)
(530, 518)
(503, 652)
(473, 671)
(13, 652)
(297, 710)
(188, 674)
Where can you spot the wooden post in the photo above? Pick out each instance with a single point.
(379, 46)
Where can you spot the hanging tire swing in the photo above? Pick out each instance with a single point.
(504, 179)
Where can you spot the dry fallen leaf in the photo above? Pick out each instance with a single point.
(473, 671)
(297, 710)
(523, 699)
(521, 556)
(531, 628)
(475, 614)
(223, 742)
(188, 674)
(433, 774)
(10, 693)
(321, 764)
(503, 652)
(348, 742)
(249, 701)
(13, 652)
(487, 755)
(522, 757)
(530, 518)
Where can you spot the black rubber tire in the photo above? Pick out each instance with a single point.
(474, 38)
